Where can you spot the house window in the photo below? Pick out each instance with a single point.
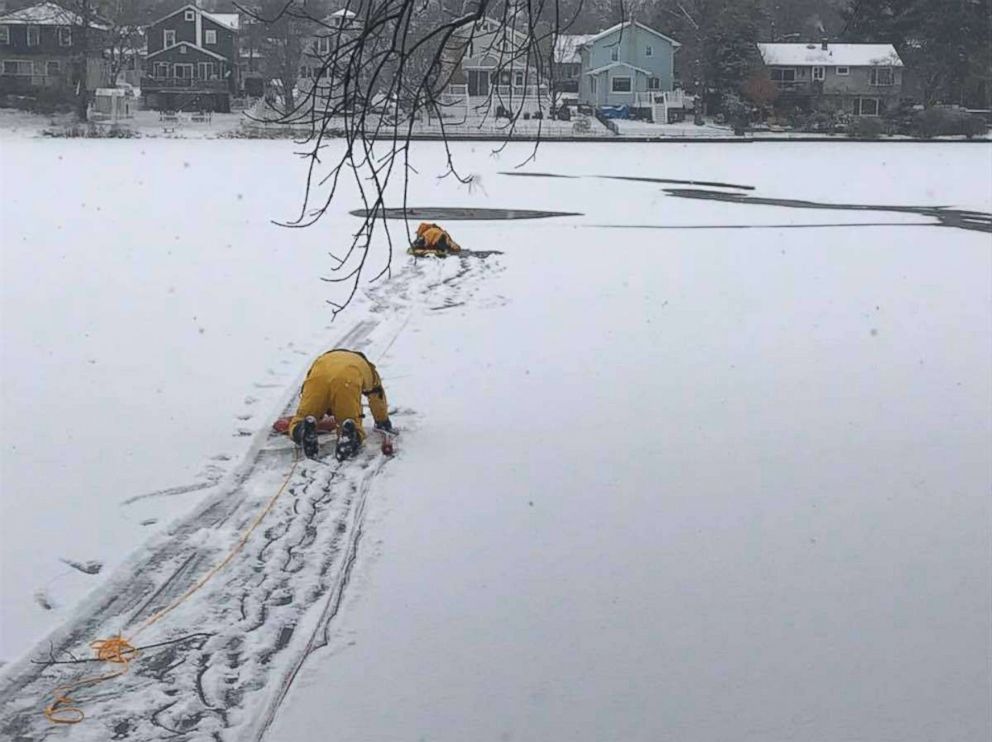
(654, 83)
(818, 73)
(782, 74)
(169, 37)
(52, 68)
(190, 15)
(182, 49)
(34, 35)
(65, 35)
(592, 85)
(324, 45)
(4, 35)
(184, 71)
(161, 69)
(210, 37)
(16, 67)
(843, 71)
(518, 79)
(621, 85)
(615, 54)
(649, 51)
(206, 70)
(866, 106)
(880, 76)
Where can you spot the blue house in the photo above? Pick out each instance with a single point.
(628, 64)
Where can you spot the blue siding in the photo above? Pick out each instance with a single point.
(631, 43)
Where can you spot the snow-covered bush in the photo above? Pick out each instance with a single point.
(866, 127)
(947, 121)
(90, 131)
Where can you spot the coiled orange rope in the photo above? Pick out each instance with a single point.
(117, 650)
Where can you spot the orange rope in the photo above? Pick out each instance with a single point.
(231, 554)
(118, 650)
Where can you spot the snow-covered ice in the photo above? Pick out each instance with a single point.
(699, 484)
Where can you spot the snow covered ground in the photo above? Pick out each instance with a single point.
(674, 468)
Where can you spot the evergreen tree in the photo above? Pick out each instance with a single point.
(718, 39)
(945, 44)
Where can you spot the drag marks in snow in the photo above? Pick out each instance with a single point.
(254, 610)
(261, 617)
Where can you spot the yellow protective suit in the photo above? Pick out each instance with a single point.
(335, 384)
(432, 240)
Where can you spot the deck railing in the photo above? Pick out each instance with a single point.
(183, 83)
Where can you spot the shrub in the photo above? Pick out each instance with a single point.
(937, 122)
(90, 131)
(820, 122)
(866, 127)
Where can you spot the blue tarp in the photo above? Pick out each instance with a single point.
(615, 112)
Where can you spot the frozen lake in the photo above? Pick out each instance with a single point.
(681, 468)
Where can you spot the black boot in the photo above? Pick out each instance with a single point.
(348, 442)
(305, 434)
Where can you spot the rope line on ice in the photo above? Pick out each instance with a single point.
(118, 650)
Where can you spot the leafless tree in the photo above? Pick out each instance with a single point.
(101, 32)
(384, 68)
(123, 36)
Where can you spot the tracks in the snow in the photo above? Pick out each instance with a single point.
(250, 629)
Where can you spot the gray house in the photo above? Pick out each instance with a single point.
(628, 64)
(860, 79)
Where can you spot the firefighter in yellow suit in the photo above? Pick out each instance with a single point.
(432, 240)
(334, 385)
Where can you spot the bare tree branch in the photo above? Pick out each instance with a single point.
(378, 70)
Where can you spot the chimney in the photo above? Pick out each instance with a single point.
(824, 45)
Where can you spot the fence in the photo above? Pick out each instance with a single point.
(608, 123)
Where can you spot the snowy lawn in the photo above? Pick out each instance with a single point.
(661, 483)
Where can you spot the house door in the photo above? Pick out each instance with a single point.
(478, 82)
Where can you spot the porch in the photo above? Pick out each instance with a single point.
(184, 84)
(467, 101)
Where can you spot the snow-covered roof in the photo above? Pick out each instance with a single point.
(487, 25)
(567, 47)
(231, 20)
(617, 27)
(611, 65)
(843, 55)
(47, 14)
(342, 19)
(188, 45)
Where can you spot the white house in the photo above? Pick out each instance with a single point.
(489, 73)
